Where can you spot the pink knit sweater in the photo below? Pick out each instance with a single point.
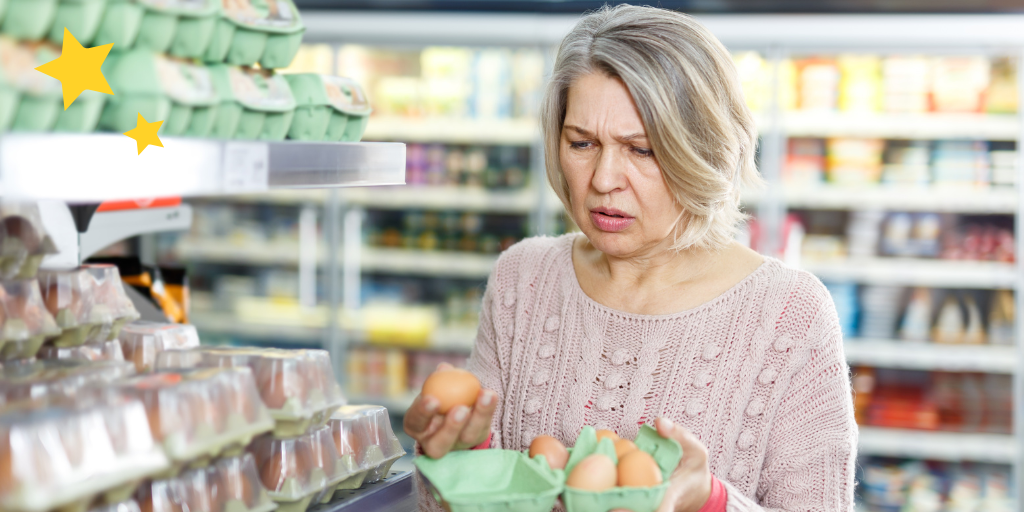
(757, 374)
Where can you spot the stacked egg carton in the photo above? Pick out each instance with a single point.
(190, 64)
(301, 462)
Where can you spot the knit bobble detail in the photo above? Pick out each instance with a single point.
(510, 298)
(533, 406)
(746, 440)
(620, 356)
(614, 380)
(702, 380)
(604, 403)
(711, 352)
(756, 407)
(694, 408)
(551, 324)
(738, 471)
(546, 351)
(782, 344)
(540, 378)
(510, 330)
(767, 376)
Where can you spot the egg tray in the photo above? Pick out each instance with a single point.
(88, 303)
(141, 342)
(25, 322)
(293, 418)
(253, 104)
(233, 480)
(23, 238)
(493, 480)
(189, 454)
(103, 351)
(243, 39)
(375, 466)
(28, 19)
(328, 108)
(54, 380)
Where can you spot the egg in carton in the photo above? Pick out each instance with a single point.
(52, 380)
(69, 454)
(367, 446)
(292, 469)
(89, 303)
(298, 386)
(325, 452)
(102, 351)
(141, 341)
(239, 486)
(196, 415)
(251, 31)
(110, 296)
(162, 495)
(26, 323)
(23, 238)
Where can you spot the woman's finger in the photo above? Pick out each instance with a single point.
(436, 423)
(694, 452)
(441, 442)
(442, 367)
(480, 419)
(417, 419)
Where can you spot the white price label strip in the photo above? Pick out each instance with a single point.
(246, 166)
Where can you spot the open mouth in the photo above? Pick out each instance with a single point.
(610, 215)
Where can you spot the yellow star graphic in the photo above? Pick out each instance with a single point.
(78, 68)
(144, 134)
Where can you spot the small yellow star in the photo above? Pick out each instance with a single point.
(78, 68)
(144, 134)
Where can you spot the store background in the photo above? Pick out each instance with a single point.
(889, 139)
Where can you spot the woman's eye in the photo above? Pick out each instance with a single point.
(644, 152)
(579, 145)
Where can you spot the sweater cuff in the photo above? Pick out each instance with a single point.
(718, 498)
(484, 445)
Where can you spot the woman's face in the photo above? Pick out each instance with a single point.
(618, 195)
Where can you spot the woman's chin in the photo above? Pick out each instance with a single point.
(619, 244)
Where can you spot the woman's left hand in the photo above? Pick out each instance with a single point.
(690, 484)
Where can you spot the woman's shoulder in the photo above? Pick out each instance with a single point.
(526, 258)
(801, 303)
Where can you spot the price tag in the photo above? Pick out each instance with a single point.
(246, 166)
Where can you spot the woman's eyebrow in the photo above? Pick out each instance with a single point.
(585, 133)
(578, 130)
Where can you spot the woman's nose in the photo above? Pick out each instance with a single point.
(610, 173)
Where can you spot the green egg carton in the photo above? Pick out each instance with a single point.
(28, 19)
(3, 10)
(492, 481)
(254, 103)
(182, 27)
(251, 31)
(161, 88)
(666, 453)
(81, 17)
(328, 108)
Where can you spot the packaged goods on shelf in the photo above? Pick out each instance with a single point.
(267, 32)
(328, 108)
(365, 443)
(33, 101)
(860, 88)
(1002, 90)
(448, 231)
(755, 78)
(47, 381)
(24, 319)
(888, 485)
(498, 167)
(906, 163)
(228, 485)
(905, 83)
(142, 341)
(23, 239)
(844, 296)
(960, 163)
(89, 303)
(74, 454)
(100, 351)
(958, 84)
(200, 414)
(297, 386)
(805, 162)
(182, 28)
(854, 161)
(1001, 318)
(819, 84)
(1004, 167)
(297, 471)
(880, 306)
(916, 235)
(28, 19)
(254, 103)
(378, 372)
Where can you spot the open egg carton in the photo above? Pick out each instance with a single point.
(89, 304)
(70, 454)
(229, 485)
(142, 341)
(197, 415)
(366, 445)
(56, 379)
(25, 321)
(299, 471)
(298, 386)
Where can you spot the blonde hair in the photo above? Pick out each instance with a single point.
(685, 86)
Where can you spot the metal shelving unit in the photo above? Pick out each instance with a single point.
(909, 355)
(947, 446)
(917, 272)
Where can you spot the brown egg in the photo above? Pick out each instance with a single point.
(277, 384)
(596, 472)
(451, 388)
(623, 446)
(638, 469)
(305, 460)
(603, 433)
(552, 450)
(275, 467)
(344, 439)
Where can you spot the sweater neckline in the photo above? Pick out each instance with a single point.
(762, 268)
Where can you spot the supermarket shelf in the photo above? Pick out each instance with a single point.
(110, 227)
(916, 272)
(394, 493)
(246, 253)
(443, 198)
(901, 126)
(513, 132)
(434, 263)
(443, 339)
(394, 405)
(228, 324)
(938, 199)
(930, 356)
(99, 167)
(928, 445)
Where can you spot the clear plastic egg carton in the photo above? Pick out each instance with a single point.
(229, 485)
(298, 386)
(196, 415)
(124, 506)
(23, 240)
(298, 472)
(89, 304)
(54, 380)
(102, 351)
(142, 341)
(96, 449)
(366, 444)
(25, 321)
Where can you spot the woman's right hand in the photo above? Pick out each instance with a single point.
(462, 428)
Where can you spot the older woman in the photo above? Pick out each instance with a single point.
(655, 314)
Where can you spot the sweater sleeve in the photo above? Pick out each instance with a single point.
(485, 361)
(811, 455)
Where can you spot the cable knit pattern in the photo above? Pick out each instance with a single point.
(758, 374)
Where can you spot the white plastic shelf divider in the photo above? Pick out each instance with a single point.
(895, 198)
(930, 445)
(443, 198)
(100, 167)
(916, 272)
(511, 132)
(432, 263)
(901, 126)
(910, 355)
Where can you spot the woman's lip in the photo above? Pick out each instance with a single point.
(610, 224)
(610, 211)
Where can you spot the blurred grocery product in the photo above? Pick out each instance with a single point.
(182, 28)
(254, 103)
(328, 108)
(249, 31)
(148, 281)
(23, 239)
(819, 84)
(26, 323)
(860, 89)
(854, 161)
(294, 470)
(959, 83)
(54, 381)
(141, 342)
(931, 486)
(365, 442)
